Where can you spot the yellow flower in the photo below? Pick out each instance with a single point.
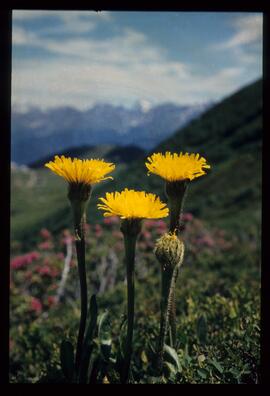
(176, 167)
(130, 204)
(86, 171)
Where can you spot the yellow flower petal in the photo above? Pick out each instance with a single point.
(130, 204)
(175, 167)
(86, 171)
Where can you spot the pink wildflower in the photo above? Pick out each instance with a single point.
(150, 223)
(36, 305)
(146, 235)
(46, 261)
(44, 270)
(45, 234)
(98, 231)
(187, 217)
(206, 240)
(22, 261)
(161, 224)
(112, 220)
(54, 272)
(51, 300)
(46, 245)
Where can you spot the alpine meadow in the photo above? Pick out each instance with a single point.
(142, 266)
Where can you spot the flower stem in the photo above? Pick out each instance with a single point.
(171, 308)
(79, 196)
(130, 231)
(164, 314)
(80, 249)
(176, 192)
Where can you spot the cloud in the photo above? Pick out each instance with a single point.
(120, 69)
(75, 22)
(248, 31)
(245, 45)
(58, 84)
(22, 37)
(26, 15)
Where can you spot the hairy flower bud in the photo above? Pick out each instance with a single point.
(169, 251)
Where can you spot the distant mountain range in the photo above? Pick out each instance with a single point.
(229, 136)
(37, 134)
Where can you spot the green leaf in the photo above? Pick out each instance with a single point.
(202, 329)
(217, 365)
(144, 357)
(122, 337)
(152, 348)
(155, 380)
(102, 319)
(172, 370)
(106, 350)
(170, 355)
(202, 373)
(88, 341)
(94, 370)
(104, 335)
(67, 359)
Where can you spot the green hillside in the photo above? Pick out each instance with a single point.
(112, 153)
(229, 135)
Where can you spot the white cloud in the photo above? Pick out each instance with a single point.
(21, 37)
(75, 22)
(26, 15)
(22, 15)
(245, 45)
(248, 31)
(55, 84)
(121, 69)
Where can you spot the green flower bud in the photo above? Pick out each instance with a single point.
(169, 251)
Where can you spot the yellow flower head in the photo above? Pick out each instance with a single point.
(86, 171)
(130, 204)
(176, 167)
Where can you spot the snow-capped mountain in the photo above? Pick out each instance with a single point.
(37, 133)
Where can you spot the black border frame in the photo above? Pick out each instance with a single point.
(5, 143)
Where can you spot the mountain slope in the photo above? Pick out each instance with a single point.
(112, 153)
(229, 135)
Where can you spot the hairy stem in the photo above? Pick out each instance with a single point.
(164, 317)
(171, 308)
(176, 192)
(80, 249)
(130, 244)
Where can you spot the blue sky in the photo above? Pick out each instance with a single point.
(79, 58)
